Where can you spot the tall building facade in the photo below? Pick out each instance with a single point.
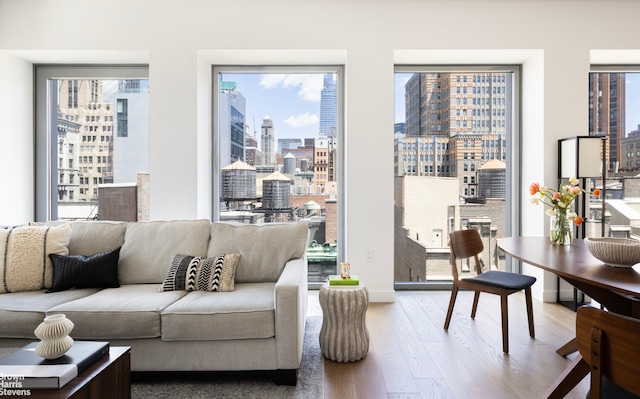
(455, 122)
(607, 104)
(253, 154)
(68, 171)
(231, 115)
(329, 106)
(81, 101)
(267, 142)
(131, 130)
(321, 164)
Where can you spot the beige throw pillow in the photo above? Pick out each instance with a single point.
(24, 256)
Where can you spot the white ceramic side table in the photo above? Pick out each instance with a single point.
(344, 336)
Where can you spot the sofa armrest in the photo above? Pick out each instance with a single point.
(291, 296)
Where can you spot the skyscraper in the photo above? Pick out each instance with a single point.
(232, 124)
(131, 130)
(328, 106)
(81, 101)
(267, 142)
(607, 111)
(455, 123)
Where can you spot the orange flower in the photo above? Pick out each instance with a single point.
(578, 220)
(534, 188)
(596, 192)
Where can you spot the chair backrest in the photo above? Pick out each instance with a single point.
(465, 244)
(610, 344)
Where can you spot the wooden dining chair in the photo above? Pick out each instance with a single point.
(465, 244)
(610, 344)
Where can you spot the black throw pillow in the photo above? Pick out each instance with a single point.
(79, 271)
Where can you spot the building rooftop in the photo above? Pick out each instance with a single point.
(494, 164)
(239, 165)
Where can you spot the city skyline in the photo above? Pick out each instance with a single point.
(632, 116)
(291, 101)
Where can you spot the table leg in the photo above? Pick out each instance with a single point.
(569, 378)
(568, 348)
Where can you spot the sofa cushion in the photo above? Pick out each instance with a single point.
(193, 273)
(92, 237)
(131, 311)
(24, 256)
(148, 247)
(247, 312)
(79, 271)
(21, 312)
(264, 249)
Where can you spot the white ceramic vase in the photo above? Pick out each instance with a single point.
(54, 337)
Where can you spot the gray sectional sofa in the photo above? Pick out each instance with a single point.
(257, 326)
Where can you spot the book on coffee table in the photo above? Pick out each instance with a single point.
(35, 372)
(337, 281)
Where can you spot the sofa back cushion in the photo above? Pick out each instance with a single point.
(94, 237)
(264, 249)
(149, 247)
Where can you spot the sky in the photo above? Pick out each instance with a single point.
(291, 101)
(400, 80)
(632, 109)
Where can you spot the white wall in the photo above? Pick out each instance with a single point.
(555, 41)
(16, 140)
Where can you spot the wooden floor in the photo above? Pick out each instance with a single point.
(412, 356)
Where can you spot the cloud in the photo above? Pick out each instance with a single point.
(309, 86)
(303, 120)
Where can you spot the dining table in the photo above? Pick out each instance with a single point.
(617, 289)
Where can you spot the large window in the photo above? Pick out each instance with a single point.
(277, 143)
(614, 104)
(454, 131)
(92, 133)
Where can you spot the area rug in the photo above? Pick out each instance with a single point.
(243, 385)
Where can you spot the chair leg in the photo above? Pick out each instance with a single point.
(527, 296)
(452, 302)
(476, 298)
(505, 322)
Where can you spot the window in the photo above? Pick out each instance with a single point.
(277, 145)
(123, 125)
(467, 166)
(72, 104)
(613, 113)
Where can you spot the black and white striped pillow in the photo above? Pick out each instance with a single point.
(194, 273)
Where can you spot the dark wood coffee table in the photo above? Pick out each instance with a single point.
(108, 378)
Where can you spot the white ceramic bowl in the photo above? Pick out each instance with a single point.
(616, 252)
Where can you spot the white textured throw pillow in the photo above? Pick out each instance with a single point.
(24, 256)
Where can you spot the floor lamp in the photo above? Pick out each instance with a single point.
(581, 157)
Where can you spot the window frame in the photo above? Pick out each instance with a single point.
(514, 161)
(44, 113)
(216, 188)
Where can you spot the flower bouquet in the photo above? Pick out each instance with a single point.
(560, 203)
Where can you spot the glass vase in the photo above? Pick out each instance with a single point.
(561, 230)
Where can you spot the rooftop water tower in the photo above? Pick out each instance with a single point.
(238, 182)
(492, 180)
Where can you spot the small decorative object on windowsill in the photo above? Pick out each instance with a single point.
(345, 270)
(560, 208)
(54, 337)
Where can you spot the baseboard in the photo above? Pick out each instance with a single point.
(382, 296)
